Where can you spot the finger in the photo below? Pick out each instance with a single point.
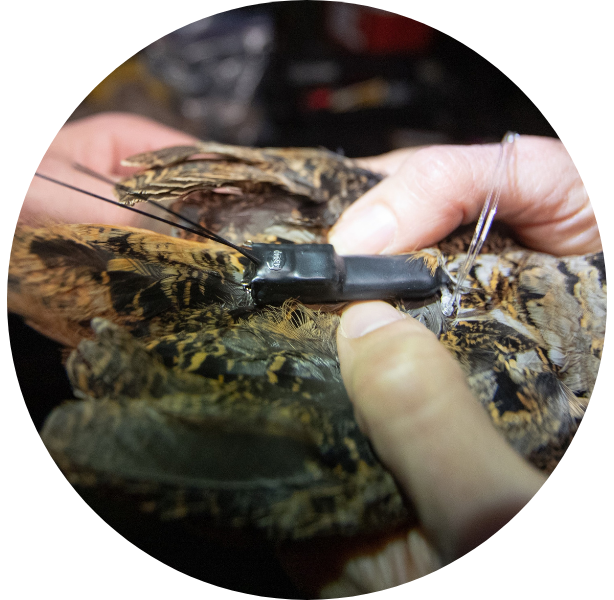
(47, 201)
(340, 566)
(439, 188)
(102, 141)
(411, 399)
(389, 163)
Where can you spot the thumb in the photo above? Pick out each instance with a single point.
(412, 401)
(430, 192)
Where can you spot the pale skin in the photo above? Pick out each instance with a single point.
(409, 395)
(99, 143)
(429, 192)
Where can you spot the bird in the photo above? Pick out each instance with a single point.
(198, 407)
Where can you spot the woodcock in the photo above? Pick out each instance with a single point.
(197, 405)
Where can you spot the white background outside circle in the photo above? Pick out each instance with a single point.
(54, 53)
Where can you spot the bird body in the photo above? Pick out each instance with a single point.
(198, 406)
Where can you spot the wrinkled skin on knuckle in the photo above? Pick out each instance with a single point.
(436, 185)
(439, 168)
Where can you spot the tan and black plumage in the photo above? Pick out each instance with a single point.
(199, 407)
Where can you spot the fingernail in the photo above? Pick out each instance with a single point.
(366, 317)
(368, 231)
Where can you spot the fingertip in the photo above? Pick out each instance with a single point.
(365, 317)
(379, 346)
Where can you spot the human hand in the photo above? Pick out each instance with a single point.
(465, 481)
(412, 400)
(100, 143)
(410, 396)
(429, 192)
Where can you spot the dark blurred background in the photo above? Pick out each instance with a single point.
(350, 78)
(318, 73)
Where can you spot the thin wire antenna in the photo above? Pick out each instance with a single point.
(147, 198)
(202, 232)
(83, 169)
(450, 305)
